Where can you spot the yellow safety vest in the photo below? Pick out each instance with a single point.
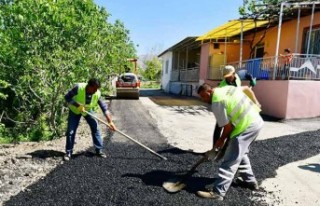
(80, 98)
(224, 82)
(240, 109)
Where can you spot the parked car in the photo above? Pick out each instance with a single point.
(128, 86)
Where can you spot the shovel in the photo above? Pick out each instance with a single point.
(175, 185)
(127, 136)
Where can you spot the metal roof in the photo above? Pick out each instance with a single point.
(183, 43)
(231, 28)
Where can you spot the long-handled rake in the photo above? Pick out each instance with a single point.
(127, 136)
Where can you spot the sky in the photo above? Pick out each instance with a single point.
(156, 25)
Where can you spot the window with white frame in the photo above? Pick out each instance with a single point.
(314, 45)
(167, 66)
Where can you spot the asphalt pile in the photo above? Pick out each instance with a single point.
(133, 176)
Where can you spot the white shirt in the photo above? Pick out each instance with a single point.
(220, 112)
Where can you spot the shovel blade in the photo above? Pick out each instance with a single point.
(173, 186)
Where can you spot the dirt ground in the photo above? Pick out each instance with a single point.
(24, 163)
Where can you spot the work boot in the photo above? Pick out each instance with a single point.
(101, 154)
(67, 157)
(238, 182)
(210, 194)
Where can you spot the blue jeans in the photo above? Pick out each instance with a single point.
(73, 123)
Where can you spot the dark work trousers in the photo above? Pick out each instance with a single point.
(236, 159)
(73, 123)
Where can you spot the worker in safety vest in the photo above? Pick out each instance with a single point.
(241, 122)
(231, 78)
(85, 97)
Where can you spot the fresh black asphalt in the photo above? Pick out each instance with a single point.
(133, 176)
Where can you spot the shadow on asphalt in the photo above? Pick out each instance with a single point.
(268, 155)
(44, 154)
(179, 104)
(153, 92)
(133, 176)
(176, 151)
(158, 177)
(311, 167)
(268, 118)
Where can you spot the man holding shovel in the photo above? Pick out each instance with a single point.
(231, 78)
(241, 122)
(85, 97)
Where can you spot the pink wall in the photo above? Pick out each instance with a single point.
(204, 62)
(303, 99)
(293, 99)
(272, 96)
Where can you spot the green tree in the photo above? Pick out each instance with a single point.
(266, 9)
(3, 85)
(152, 69)
(47, 46)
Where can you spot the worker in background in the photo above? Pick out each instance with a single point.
(232, 78)
(241, 122)
(85, 97)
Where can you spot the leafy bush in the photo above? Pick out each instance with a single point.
(150, 84)
(46, 47)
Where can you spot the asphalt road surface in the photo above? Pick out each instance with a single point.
(131, 175)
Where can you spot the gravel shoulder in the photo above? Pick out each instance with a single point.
(27, 162)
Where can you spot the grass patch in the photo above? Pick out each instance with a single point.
(6, 140)
(150, 85)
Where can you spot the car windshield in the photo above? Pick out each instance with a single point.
(128, 78)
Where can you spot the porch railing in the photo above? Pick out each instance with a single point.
(302, 66)
(305, 67)
(174, 75)
(189, 74)
(185, 75)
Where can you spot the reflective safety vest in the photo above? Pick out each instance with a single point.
(80, 98)
(224, 82)
(241, 111)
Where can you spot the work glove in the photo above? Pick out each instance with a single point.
(217, 152)
(112, 126)
(253, 81)
(81, 109)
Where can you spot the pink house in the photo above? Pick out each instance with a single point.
(287, 95)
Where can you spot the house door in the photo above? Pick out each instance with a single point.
(259, 51)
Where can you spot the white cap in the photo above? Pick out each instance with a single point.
(228, 71)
